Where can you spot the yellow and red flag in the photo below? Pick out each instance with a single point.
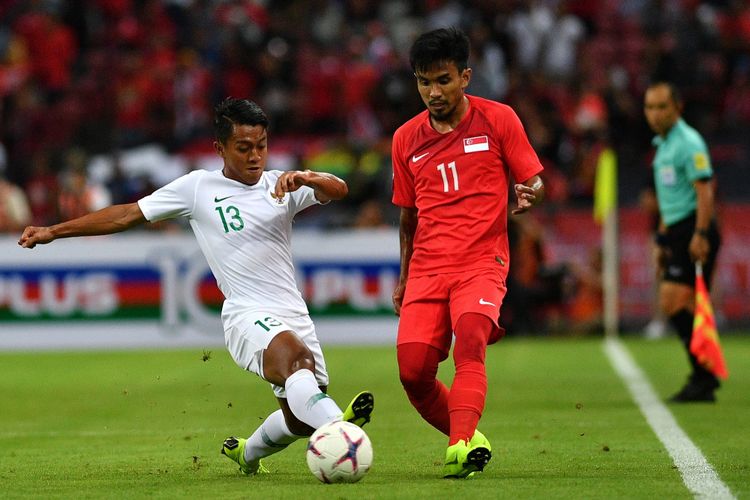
(705, 341)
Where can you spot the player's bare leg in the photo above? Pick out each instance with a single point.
(288, 362)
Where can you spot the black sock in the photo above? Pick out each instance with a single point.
(682, 321)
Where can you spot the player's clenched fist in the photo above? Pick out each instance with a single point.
(290, 181)
(327, 186)
(35, 235)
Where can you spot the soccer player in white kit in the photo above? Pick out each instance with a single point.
(242, 218)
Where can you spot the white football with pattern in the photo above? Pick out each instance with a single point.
(339, 452)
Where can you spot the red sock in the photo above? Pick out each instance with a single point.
(469, 389)
(418, 364)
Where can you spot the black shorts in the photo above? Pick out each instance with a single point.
(679, 267)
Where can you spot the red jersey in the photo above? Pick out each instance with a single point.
(459, 183)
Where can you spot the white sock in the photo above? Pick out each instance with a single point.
(271, 437)
(308, 402)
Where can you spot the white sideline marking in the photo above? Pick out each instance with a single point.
(697, 474)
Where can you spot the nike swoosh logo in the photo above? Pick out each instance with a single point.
(217, 199)
(485, 303)
(416, 158)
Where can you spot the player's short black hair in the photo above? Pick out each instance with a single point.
(234, 111)
(442, 45)
(673, 89)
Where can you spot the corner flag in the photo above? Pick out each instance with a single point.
(605, 214)
(605, 185)
(705, 341)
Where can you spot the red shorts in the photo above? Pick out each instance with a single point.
(432, 304)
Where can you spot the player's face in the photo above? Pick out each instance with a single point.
(244, 154)
(660, 109)
(442, 89)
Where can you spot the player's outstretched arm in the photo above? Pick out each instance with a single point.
(327, 186)
(528, 194)
(108, 220)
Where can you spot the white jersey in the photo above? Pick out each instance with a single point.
(244, 233)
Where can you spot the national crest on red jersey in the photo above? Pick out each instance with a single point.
(474, 144)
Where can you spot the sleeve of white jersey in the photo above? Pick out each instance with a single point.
(300, 199)
(176, 199)
(303, 198)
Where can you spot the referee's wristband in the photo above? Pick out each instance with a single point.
(661, 239)
(703, 233)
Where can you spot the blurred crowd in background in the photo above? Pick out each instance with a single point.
(102, 101)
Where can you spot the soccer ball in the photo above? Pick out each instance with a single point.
(339, 452)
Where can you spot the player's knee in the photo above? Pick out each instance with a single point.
(472, 333)
(417, 366)
(303, 363)
(287, 354)
(413, 376)
(411, 379)
(469, 346)
(301, 359)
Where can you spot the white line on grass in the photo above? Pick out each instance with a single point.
(697, 474)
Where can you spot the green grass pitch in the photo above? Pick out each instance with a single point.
(149, 424)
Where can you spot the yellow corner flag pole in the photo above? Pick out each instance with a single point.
(605, 213)
(605, 185)
(704, 343)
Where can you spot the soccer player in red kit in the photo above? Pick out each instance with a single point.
(452, 165)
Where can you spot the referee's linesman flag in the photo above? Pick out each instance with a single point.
(705, 341)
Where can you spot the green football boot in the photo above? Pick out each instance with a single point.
(234, 448)
(479, 439)
(359, 410)
(465, 458)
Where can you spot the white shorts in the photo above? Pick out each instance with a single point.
(249, 336)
